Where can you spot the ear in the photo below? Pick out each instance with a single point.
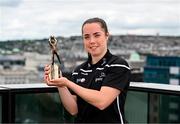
(107, 35)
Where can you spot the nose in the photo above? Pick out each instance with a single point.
(92, 40)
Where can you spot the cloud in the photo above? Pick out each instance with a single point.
(41, 18)
(10, 3)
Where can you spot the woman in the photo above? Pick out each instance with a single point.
(98, 90)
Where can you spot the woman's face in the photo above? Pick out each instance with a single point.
(95, 39)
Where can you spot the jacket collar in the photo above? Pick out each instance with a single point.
(101, 62)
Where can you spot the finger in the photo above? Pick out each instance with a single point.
(47, 72)
(45, 79)
(49, 83)
(52, 80)
(46, 68)
(58, 80)
(47, 65)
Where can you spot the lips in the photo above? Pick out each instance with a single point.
(93, 47)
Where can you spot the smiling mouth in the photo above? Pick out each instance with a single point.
(93, 47)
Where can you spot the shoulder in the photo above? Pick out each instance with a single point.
(117, 61)
(80, 66)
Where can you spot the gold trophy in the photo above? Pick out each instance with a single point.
(55, 69)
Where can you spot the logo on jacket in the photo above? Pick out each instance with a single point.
(98, 79)
(101, 77)
(102, 74)
(80, 80)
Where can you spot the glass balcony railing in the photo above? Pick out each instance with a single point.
(153, 103)
(39, 103)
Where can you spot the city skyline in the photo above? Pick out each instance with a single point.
(36, 19)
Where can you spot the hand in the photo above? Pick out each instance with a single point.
(46, 74)
(60, 82)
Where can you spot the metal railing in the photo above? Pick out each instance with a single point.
(40, 103)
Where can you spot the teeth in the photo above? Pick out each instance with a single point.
(93, 47)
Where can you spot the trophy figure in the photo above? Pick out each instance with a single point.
(55, 69)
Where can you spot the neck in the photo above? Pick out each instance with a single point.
(95, 59)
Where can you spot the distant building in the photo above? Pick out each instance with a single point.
(19, 76)
(166, 70)
(162, 69)
(11, 61)
(13, 71)
(136, 63)
(34, 59)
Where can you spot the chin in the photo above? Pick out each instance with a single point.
(94, 53)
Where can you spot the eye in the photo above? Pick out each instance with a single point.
(86, 37)
(97, 35)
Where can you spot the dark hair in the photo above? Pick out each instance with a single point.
(96, 20)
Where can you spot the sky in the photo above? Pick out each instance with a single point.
(37, 19)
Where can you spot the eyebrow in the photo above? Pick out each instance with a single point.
(93, 33)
